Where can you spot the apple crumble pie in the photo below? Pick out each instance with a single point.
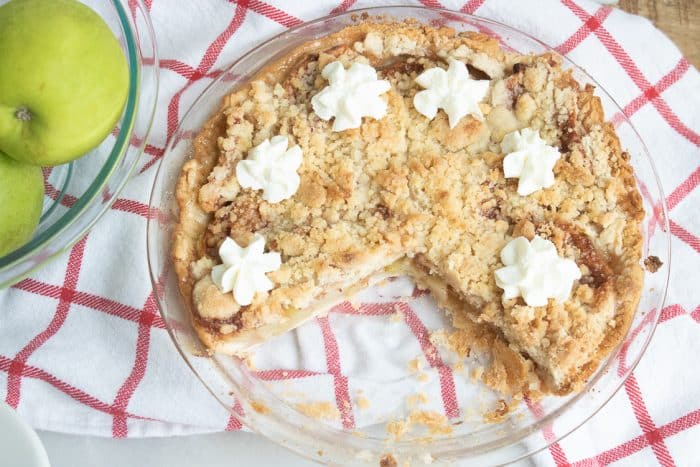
(489, 177)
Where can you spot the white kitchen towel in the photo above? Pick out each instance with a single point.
(83, 349)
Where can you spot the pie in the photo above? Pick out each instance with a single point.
(407, 194)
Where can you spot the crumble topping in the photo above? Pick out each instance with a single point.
(408, 187)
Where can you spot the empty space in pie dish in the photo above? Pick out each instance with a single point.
(364, 381)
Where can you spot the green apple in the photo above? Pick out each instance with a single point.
(21, 200)
(63, 80)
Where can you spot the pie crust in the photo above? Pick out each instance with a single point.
(408, 195)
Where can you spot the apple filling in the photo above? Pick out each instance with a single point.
(229, 335)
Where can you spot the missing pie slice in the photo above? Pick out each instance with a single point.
(406, 194)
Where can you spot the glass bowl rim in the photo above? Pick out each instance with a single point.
(380, 443)
(121, 144)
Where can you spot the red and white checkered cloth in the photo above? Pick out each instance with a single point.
(83, 349)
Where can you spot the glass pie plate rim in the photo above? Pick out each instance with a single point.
(306, 435)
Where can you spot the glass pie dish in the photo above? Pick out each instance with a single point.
(78, 193)
(278, 409)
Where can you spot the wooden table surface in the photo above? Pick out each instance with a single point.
(679, 19)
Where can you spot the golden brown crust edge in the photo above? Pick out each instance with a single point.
(628, 288)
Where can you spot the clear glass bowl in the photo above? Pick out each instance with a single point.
(78, 193)
(526, 430)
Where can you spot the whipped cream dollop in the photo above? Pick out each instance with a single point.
(350, 95)
(271, 167)
(535, 271)
(451, 90)
(243, 269)
(529, 158)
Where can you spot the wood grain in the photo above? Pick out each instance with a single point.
(679, 19)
